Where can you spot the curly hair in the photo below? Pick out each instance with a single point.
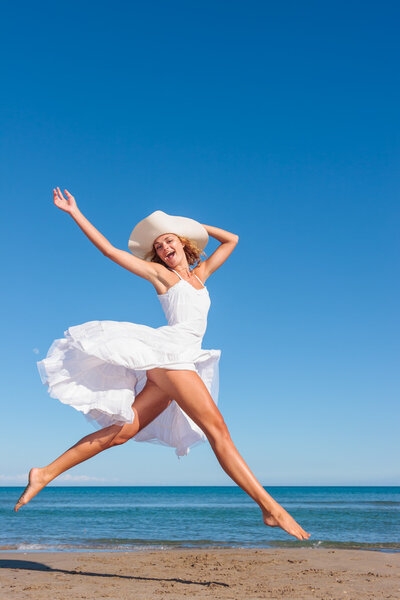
(192, 252)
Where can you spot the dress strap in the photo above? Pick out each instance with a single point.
(198, 279)
(176, 273)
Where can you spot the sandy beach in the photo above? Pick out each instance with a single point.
(234, 574)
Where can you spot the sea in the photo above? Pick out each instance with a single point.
(138, 518)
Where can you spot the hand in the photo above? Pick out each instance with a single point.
(67, 204)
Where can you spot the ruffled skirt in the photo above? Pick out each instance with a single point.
(100, 367)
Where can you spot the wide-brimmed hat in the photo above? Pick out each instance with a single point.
(142, 237)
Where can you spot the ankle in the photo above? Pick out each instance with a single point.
(45, 475)
(268, 505)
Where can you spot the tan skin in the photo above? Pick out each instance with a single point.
(164, 384)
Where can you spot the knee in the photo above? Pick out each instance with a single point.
(125, 433)
(218, 430)
(118, 441)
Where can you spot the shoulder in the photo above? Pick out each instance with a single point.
(163, 279)
(201, 271)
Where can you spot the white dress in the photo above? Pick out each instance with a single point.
(99, 367)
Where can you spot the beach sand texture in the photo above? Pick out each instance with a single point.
(177, 574)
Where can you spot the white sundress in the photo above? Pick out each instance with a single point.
(99, 367)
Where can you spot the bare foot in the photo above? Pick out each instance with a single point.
(36, 483)
(278, 517)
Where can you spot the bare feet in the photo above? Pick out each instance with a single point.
(36, 483)
(278, 517)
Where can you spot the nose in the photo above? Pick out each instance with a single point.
(165, 249)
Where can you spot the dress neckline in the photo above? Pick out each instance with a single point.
(177, 283)
(198, 278)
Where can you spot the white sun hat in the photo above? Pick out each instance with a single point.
(142, 237)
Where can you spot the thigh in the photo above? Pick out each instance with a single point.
(151, 402)
(189, 391)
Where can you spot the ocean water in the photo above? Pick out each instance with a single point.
(133, 518)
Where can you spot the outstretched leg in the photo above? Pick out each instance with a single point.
(189, 391)
(147, 406)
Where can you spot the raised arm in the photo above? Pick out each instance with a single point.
(218, 257)
(142, 268)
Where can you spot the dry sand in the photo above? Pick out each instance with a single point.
(178, 574)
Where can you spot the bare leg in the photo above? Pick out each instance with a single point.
(189, 391)
(147, 406)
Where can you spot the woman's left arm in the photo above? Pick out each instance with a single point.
(218, 257)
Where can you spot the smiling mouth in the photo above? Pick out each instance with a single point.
(170, 254)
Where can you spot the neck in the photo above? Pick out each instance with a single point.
(183, 270)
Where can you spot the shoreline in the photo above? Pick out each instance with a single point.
(215, 573)
(31, 550)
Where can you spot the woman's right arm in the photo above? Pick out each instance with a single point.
(142, 268)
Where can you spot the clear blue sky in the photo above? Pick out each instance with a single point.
(277, 121)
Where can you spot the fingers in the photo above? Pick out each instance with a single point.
(67, 204)
(59, 192)
(59, 199)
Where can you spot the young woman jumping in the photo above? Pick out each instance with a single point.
(150, 384)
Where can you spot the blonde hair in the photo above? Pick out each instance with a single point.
(190, 248)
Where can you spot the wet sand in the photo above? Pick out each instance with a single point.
(177, 574)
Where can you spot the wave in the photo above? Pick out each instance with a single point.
(127, 544)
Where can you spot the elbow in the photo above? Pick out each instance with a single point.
(108, 252)
(232, 240)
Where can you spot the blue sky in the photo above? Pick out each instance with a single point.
(277, 121)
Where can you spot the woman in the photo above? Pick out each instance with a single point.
(151, 384)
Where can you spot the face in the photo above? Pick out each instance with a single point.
(170, 249)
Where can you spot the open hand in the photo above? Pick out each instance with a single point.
(67, 204)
